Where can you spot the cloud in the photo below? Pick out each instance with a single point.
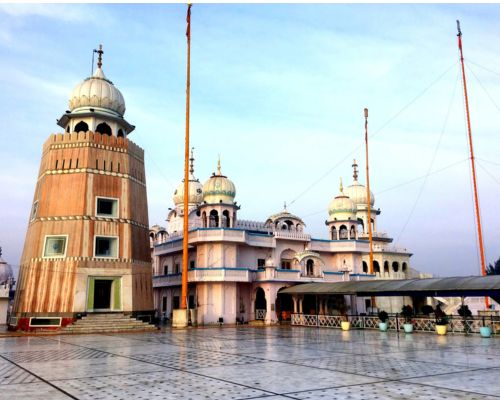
(61, 12)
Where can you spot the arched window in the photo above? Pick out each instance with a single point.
(361, 224)
(226, 222)
(310, 267)
(214, 219)
(334, 233)
(204, 219)
(404, 267)
(376, 267)
(343, 232)
(286, 259)
(353, 232)
(386, 266)
(104, 129)
(365, 267)
(120, 133)
(395, 266)
(81, 127)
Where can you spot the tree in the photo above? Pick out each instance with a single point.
(494, 269)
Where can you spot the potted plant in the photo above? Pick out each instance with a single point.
(484, 330)
(344, 324)
(466, 315)
(407, 312)
(441, 321)
(383, 317)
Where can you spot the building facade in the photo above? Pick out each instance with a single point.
(237, 267)
(86, 247)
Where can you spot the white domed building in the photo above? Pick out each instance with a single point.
(238, 267)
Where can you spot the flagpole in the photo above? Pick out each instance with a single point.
(368, 195)
(185, 239)
(472, 162)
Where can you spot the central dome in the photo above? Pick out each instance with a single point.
(219, 189)
(97, 91)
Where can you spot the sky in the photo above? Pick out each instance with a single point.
(278, 91)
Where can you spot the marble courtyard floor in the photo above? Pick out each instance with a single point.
(250, 363)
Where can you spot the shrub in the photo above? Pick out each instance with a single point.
(407, 312)
(383, 316)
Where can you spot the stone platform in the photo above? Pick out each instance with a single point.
(250, 363)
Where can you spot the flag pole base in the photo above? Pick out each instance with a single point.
(180, 318)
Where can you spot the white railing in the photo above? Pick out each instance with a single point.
(219, 274)
(456, 324)
(260, 314)
(291, 235)
(252, 225)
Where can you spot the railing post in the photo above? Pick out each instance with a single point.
(397, 323)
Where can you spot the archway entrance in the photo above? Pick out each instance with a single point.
(284, 307)
(260, 304)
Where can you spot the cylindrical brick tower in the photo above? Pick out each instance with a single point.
(87, 244)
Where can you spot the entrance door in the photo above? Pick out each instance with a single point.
(102, 294)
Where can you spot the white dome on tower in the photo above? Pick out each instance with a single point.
(357, 192)
(219, 189)
(195, 188)
(97, 91)
(342, 208)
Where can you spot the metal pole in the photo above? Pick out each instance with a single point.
(185, 239)
(472, 161)
(368, 195)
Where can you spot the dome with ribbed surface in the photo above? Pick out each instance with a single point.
(219, 189)
(357, 193)
(97, 91)
(342, 208)
(195, 193)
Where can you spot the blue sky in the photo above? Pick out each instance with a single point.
(279, 92)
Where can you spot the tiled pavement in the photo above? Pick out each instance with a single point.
(250, 363)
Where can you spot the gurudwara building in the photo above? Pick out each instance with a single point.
(237, 267)
(86, 248)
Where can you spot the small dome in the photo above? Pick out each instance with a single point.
(6, 272)
(357, 193)
(97, 91)
(342, 208)
(219, 189)
(284, 216)
(195, 188)
(195, 193)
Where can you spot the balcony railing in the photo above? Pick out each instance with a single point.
(456, 323)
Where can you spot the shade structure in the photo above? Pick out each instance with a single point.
(467, 286)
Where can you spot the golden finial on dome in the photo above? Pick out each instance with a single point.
(284, 206)
(341, 187)
(355, 168)
(218, 167)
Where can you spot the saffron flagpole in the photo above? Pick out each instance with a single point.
(472, 162)
(185, 239)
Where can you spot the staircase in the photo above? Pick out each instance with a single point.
(115, 322)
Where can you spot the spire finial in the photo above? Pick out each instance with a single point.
(191, 165)
(218, 167)
(100, 52)
(341, 187)
(284, 206)
(355, 168)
